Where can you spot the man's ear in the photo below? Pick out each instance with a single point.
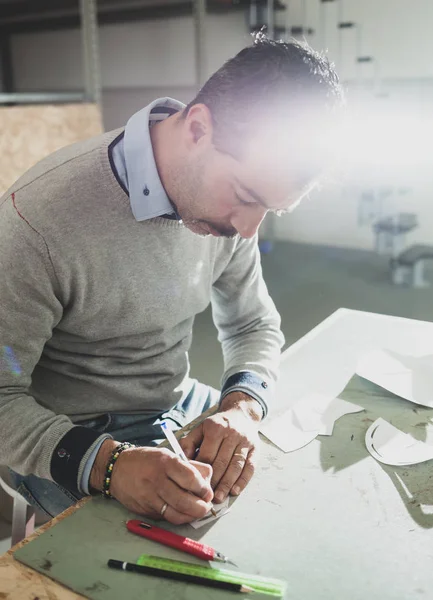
(198, 124)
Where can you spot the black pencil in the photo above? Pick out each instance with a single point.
(224, 585)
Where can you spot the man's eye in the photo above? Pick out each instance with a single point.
(242, 201)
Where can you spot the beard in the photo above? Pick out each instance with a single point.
(204, 228)
(187, 185)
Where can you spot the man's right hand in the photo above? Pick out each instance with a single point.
(144, 479)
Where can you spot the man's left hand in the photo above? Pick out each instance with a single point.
(229, 441)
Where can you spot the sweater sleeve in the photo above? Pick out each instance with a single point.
(248, 323)
(30, 308)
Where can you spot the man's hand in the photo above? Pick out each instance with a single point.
(228, 440)
(145, 479)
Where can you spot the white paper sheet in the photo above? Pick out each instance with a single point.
(313, 415)
(390, 446)
(220, 509)
(286, 433)
(320, 412)
(409, 377)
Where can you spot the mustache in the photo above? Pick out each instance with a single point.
(227, 232)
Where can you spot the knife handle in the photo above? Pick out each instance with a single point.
(179, 542)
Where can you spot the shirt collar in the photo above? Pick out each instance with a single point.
(146, 192)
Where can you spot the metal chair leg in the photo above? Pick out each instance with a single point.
(23, 515)
(418, 280)
(399, 274)
(31, 518)
(23, 520)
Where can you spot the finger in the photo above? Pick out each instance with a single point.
(232, 473)
(206, 473)
(247, 473)
(153, 506)
(156, 516)
(204, 469)
(142, 508)
(214, 435)
(148, 503)
(222, 461)
(177, 518)
(192, 441)
(186, 476)
(182, 502)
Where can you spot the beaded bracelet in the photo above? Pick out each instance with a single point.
(109, 470)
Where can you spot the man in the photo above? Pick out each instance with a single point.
(110, 247)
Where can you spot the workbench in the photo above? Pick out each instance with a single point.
(327, 518)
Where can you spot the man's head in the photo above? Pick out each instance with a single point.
(254, 138)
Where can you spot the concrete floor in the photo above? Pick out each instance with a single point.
(307, 284)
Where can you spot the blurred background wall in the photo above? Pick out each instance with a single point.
(390, 95)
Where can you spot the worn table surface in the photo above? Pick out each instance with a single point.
(18, 582)
(328, 518)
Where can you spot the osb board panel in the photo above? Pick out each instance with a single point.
(29, 133)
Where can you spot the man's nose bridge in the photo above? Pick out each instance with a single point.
(258, 217)
(247, 222)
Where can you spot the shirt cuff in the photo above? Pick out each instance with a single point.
(250, 383)
(68, 455)
(85, 476)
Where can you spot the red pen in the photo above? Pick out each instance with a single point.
(151, 532)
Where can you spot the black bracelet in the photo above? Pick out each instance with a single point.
(109, 470)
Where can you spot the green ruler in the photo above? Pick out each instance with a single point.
(264, 585)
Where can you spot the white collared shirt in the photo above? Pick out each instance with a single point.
(134, 161)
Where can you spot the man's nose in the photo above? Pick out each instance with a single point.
(248, 221)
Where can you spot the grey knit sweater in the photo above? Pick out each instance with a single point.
(96, 309)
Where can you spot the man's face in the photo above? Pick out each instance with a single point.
(216, 194)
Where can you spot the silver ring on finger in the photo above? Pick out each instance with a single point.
(163, 509)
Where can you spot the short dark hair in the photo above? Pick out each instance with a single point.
(268, 77)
